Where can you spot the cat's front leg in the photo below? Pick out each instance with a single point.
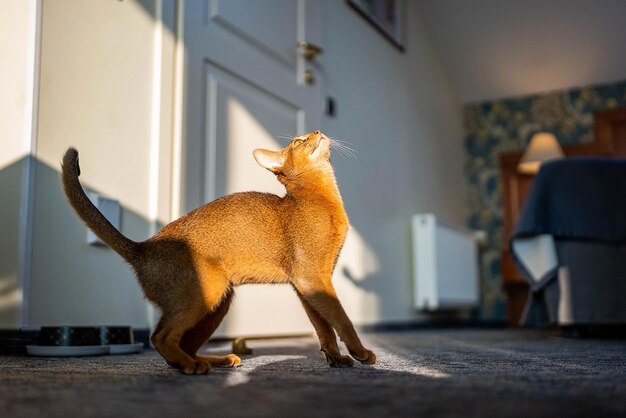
(321, 296)
(327, 338)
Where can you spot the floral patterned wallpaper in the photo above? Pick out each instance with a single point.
(505, 125)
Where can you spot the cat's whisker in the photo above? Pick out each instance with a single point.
(342, 148)
(348, 151)
(284, 137)
(341, 144)
(339, 140)
(347, 154)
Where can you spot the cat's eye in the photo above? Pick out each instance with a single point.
(297, 142)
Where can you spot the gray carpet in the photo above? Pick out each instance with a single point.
(430, 373)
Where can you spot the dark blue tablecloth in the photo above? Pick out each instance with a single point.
(577, 197)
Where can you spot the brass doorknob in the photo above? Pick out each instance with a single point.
(310, 50)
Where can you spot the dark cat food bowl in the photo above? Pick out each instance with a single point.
(120, 340)
(71, 341)
(82, 336)
(65, 336)
(110, 335)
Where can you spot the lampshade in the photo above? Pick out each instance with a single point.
(541, 148)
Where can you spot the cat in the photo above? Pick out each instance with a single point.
(190, 267)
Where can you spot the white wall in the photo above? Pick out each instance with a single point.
(100, 92)
(403, 117)
(499, 48)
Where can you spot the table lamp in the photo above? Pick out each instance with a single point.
(542, 147)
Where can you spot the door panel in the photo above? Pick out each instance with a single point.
(247, 19)
(243, 117)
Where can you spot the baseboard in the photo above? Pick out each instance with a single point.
(13, 342)
(433, 324)
(594, 331)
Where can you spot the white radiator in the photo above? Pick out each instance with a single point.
(445, 265)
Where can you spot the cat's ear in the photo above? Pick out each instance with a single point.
(271, 160)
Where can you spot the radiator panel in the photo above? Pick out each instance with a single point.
(445, 265)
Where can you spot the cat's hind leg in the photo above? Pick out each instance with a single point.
(196, 336)
(167, 336)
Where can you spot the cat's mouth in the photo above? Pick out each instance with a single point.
(317, 148)
(317, 144)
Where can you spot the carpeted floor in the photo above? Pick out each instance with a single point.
(429, 373)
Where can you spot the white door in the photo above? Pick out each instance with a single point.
(244, 88)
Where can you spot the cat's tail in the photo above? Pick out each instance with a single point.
(91, 216)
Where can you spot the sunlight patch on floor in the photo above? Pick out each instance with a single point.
(241, 375)
(401, 363)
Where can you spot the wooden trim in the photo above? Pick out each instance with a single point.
(603, 127)
(510, 273)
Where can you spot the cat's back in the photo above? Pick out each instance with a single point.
(234, 214)
(240, 203)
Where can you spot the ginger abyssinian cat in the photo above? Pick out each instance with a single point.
(190, 267)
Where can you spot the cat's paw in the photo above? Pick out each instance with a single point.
(196, 367)
(230, 360)
(235, 361)
(338, 360)
(366, 357)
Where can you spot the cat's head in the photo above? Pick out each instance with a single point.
(309, 153)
